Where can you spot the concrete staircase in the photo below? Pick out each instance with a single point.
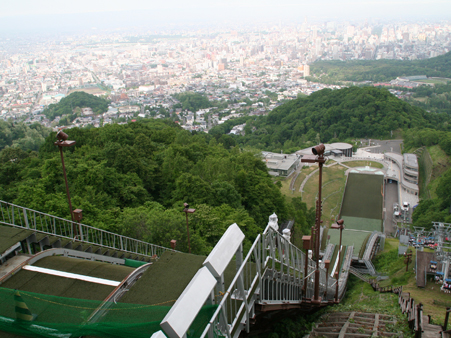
(354, 325)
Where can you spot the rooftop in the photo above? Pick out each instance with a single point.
(411, 160)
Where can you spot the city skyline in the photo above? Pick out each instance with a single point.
(24, 16)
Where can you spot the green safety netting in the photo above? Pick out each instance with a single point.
(35, 315)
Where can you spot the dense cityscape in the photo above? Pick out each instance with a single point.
(241, 72)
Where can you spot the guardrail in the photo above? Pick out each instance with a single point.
(272, 273)
(21, 217)
(237, 304)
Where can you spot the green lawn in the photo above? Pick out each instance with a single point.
(363, 196)
(285, 189)
(334, 180)
(361, 223)
(349, 237)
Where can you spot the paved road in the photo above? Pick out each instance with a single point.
(391, 196)
(385, 146)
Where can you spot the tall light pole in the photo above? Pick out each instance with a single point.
(188, 211)
(318, 157)
(339, 226)
(63, 142)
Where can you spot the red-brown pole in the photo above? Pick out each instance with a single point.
(318, 230)
(67, 185)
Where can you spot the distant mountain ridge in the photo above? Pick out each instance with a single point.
(381, 70)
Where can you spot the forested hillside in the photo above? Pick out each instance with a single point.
(134, 178)
(435, 209)
(68, 105)
(191, 101)
(380, 70)
(21, 135)
(330, 116)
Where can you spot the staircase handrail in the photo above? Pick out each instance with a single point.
(25, 218)
(237, 293)
(358, 274)
(369, 245)
(293, 262)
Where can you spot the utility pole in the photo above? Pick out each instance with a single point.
(317, 157)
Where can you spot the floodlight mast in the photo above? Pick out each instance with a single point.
(318, 151)
(62, 138)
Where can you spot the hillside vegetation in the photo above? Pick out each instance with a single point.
(380, 70)
(435, 99)
(330, 116)
(133, 179)
(21, 135)
(435, 209)
(68, 105)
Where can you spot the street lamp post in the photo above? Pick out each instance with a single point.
(188, 211)
(63, 142)
(339, 226)
(318, 157)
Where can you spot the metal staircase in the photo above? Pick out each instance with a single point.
(271, 277)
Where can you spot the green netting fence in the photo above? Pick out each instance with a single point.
(31, 314)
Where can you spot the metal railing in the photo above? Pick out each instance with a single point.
(237, 304)
(271, 273)
(17, 216)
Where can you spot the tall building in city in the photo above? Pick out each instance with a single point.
(306, 70)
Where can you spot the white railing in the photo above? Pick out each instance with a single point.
(272, 273)
(237, 304)
(17, 216)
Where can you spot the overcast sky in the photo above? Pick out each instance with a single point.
(54, 14)
(357, 7)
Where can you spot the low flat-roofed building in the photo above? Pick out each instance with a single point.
(335, 149)
(281, 164)
(406, 164)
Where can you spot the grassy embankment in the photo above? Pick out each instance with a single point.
(287, 181)
(333, 184)
(388, 262)
(440, 163)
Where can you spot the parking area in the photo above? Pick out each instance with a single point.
(380, 147)
(391, 197)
